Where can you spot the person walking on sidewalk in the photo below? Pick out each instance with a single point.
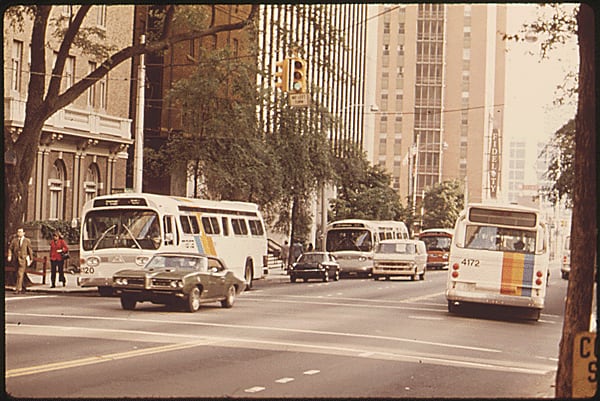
(20, 249)
(58, 248)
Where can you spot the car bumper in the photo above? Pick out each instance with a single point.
(393, 271)
(95, 281)
(158, 296)
(438, 265)
(307, 273)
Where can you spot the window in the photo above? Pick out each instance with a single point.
(101, 16)
(102, 86)
(169, 233)
(225, 222)
(256, 227)
(239, 226)
(189, 224)
(56, 184)
(69, 72)
(16, 65)
(211, 225)
(91, 95)
(90, 185)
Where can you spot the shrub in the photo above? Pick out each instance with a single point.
(47, 227)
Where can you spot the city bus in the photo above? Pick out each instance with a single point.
(353, 241)
(124, 230)
(499, 255)
(437, 241)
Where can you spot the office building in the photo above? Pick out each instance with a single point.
(440, 91)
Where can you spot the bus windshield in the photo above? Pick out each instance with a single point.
(104, 229)
(349, 240)
(500, 239)
(437, 243)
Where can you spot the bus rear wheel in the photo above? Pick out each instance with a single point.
(248, 275)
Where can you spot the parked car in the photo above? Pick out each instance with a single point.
(437, 241)
(565, 267)
(319, 265)
(186, 278)
(402, 257)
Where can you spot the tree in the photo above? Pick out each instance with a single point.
(583, 230)
(560, 169)
(45, 100)
(364, 191)
(578, 305)
(442, 203)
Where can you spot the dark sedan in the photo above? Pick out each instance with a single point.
(185, 278)
(318, 265)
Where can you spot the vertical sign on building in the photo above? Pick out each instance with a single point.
(494, 163)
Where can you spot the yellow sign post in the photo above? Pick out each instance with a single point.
(585, 365)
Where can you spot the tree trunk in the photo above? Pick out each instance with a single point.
(583, 230)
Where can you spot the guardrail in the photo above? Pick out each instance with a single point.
(31, 269)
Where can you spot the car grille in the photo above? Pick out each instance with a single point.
(161, 282)
(135, 281)
(400, 266)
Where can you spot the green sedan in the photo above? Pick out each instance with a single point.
(184, 278)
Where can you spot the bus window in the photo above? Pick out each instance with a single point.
(225, 222)
(195, 225)
(168, 225)
(211, 225)
(239, 226)
(185, 224)
(256, 227)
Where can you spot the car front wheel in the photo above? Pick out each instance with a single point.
(230, 298)
(193, 300)
(127, 302)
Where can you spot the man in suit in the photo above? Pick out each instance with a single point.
(20, 249)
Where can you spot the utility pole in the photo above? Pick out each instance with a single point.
(138, 156)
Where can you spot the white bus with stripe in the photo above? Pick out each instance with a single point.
(124, 230)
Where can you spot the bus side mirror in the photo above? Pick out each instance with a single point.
(169, 239)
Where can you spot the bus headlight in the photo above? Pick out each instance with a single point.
(141, 260)
(177, 284)
(93, 261)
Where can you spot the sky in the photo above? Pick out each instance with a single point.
(531, 86)
(531, 82)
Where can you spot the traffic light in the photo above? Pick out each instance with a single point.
(298, 75)
(282, 76)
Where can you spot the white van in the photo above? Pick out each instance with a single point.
(403, 257)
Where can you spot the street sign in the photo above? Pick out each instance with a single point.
(299, 99)
(585, 365)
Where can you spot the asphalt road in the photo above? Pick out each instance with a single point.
(351, 338)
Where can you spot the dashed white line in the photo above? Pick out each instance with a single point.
(312, 372)
(285, 380)
(256, 389)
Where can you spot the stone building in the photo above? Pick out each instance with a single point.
(83, 148)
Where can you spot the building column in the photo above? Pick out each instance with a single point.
(76, 181)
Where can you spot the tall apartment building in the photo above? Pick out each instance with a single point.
(83, 148)
(440, 91)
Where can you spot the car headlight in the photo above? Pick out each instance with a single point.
(120, 281)
(362, 259)
(445, 256)
(177, 284)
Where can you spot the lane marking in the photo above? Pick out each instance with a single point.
(255, 389)
(17, 298)
(327, 349)
(263, 328)
(424, 317)
(397, 307)
(285, 380)
(312, 372)
(31, 370)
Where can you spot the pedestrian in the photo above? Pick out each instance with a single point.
(58, 250)
(285, 254)
(296, 251)
(20, 250)
(310, 247)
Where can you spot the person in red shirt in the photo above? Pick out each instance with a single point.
(58, 247)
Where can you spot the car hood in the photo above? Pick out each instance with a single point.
(157, 273)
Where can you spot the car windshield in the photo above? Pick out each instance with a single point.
(403, 248)
(437, 243)
(177, 262)
(311, 258)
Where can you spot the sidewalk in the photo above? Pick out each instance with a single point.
(275, 275)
